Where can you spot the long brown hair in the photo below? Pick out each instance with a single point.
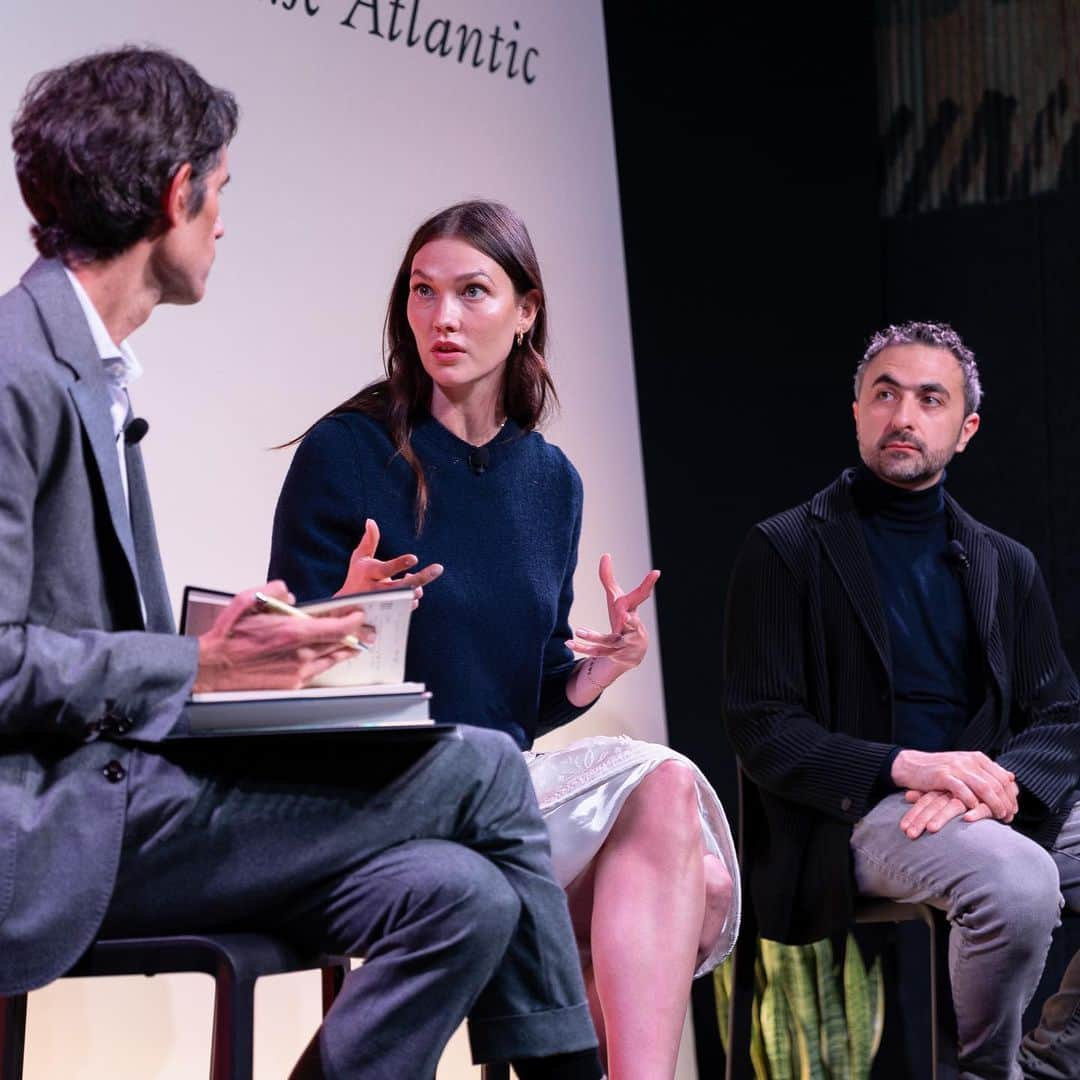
(398, 399)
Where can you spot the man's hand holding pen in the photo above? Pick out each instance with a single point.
(252, 648)
(280, 607)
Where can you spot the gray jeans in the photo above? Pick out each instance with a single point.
(432, 865)
(1002, 894)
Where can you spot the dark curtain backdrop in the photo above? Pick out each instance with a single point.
(753, 173)
(746, 149)
(1008, 277)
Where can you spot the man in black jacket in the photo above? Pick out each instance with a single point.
(896, 692)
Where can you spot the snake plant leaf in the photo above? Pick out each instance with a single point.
(834, 1044)
(800, 1061)
(857, 1007)
(802, 1025)
(876, 985)
(722, 982)
(775, 1015)
(758, 1059)
(775, 1032)
(800, 986)
(726, 974)
(772, 959)
(801, 1050)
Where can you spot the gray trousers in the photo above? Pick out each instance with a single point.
(1002, 894)
(431, 864)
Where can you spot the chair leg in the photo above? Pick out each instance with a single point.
(333, 979)
(741, 1008)
(935, 1018)
(740, 1011)
(12, 1036)
(232, 1047)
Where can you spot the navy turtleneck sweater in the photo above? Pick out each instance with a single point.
(935, 665)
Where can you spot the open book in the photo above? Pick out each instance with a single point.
(366, 691)
(382, 663)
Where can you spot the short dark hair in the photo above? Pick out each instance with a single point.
(937, 336)
(98, 140)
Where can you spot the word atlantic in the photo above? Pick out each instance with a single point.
(490, 51)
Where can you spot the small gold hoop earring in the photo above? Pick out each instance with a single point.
(520, 337)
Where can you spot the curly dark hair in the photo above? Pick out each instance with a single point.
(937, 336)
(98, 140)
(399, 398)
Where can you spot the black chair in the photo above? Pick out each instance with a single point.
(495, 1072)
(867, 910)
(234, 960)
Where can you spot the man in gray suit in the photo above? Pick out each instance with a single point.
(432, 864)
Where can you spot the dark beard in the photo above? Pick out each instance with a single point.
(907, 468)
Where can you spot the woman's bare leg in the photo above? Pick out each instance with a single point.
(579, 896)
(648, 909)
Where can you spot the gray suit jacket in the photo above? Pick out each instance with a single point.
(79, 669)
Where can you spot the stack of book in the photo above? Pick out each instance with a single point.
(364, 692)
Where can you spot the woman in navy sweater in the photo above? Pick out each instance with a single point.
(441, 458)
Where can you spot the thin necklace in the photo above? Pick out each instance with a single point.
(491, 436)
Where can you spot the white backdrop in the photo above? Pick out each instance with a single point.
(347, 141)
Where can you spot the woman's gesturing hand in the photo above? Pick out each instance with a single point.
(367, 574)
(625, 646)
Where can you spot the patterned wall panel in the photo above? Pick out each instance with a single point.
(979, 100)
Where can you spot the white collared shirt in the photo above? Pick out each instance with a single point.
(121, 368)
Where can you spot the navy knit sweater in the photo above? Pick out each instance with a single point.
(935, 667)
(489, 636)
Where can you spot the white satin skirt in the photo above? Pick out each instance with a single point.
(581, 790)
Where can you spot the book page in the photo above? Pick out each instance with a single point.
(384, 661)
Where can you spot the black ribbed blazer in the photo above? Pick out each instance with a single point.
(808, 697)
